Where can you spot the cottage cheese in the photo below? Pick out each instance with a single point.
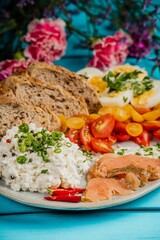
(65, 169)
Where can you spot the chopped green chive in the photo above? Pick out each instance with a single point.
(57, 150)
(68, 144)
(44, 171)
(21, 159)
(24, 128)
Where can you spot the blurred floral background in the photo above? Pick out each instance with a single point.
(112, 32)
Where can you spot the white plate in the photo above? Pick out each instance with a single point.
(37, 199)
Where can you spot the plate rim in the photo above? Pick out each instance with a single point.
(82, 206)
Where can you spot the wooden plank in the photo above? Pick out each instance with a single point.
(93, 225)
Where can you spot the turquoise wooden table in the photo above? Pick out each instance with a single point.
(139, 219)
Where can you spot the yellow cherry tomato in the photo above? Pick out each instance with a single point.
(94, 116)
(63, 122)
(75, 122)
(134, 129)
(122, 114)
(136, 116)
(157, 107)
(104, 110)
(152, 115)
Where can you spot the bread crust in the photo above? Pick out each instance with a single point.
(53, 95)
(71, 81)
(14, 113)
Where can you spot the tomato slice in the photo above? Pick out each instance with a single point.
(156, 133)
(134, 129)
(101, 146)
(123, 136)
(85, 117)
(74, 136)
(86, 137)
(75, 122)
(103, 126)
(151, 125)
(120, 126)
(112, 139)
(143, 139)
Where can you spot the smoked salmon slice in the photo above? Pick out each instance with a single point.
(111, 165)
(99, 189)
(119, 175)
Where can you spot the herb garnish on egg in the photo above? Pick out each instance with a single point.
(123, 81)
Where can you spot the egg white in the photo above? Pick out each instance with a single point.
(118, 99)
(149, 99)
(127, 68)
(90, 72)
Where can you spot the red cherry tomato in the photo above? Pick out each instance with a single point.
(120, 126)
(103, 126)
(86, 137)
(112, 139)
(101, 146)
(74, 136)
(151, 125)
(143, 139)
(123, 136)
(156, 133)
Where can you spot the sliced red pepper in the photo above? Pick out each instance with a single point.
(65, 198)
(68, 191)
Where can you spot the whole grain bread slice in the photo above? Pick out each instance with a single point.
(71, 81)
(33, 91)
(14, 113)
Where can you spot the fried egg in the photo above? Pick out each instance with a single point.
(149, 98)
(116, 98)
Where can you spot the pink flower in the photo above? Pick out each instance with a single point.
(111, 50)
(10, 66)
(47, 40)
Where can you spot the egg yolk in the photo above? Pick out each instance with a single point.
(113, 94)
(128, 69)
(98, 84)
(143, 98)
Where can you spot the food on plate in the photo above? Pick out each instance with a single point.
(33, 91)
(99, 189)
(13, 113)
(111, 125)
(33, 159)
(149, 98)
(65, 195)
(117, 98)
(72, 82)
(128, 68)
(94, 77)
(119, 175)
(110, 165)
